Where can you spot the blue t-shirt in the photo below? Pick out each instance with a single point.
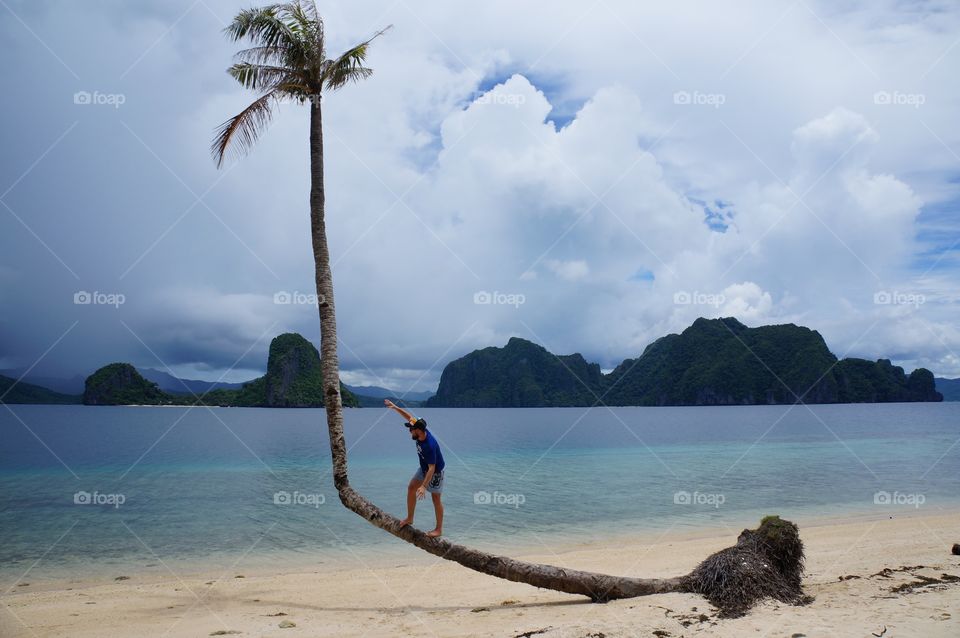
(429, 452)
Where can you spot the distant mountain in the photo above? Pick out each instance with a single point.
(12, 392)
(376, 392)
(713, 362)
(949, 388)
(175, 385)
(64, 385)
(121, 384)
(723, 362)
(521, 374)
(293, 380)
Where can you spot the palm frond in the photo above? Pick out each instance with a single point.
(320, 34)
(263, 25)
(305, 22)
(310, 7)
(274, 55)
(243, 129)
(304, 18)
(349, 66)
(261, 76)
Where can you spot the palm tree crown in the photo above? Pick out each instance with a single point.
(288, 61)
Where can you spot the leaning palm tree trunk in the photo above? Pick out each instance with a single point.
(288, 62)
(597, 587)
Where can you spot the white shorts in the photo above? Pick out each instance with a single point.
(436, 483)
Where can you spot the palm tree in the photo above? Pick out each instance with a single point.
(288, 62)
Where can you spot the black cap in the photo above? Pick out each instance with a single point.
(419, 424)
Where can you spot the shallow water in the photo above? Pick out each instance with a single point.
(171, 488)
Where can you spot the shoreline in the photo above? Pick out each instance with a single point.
(864, 575)
(393, 553)
(854, 568)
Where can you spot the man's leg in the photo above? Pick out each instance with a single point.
(438, 507)
(411, 501)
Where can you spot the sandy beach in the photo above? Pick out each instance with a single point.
(881, 576)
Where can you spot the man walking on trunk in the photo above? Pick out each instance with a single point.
(429, 476)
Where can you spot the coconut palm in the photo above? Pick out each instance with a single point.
(288, 62)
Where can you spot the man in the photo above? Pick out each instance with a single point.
(429, 476)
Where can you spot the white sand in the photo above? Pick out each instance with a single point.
(431, 597)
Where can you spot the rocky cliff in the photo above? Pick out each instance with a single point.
(713, 362)
(121, 384)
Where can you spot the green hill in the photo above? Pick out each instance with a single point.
(293, 380)
(13, 392)
(723, 362)
(121, 384)
(862, 381)
(713, 362)
(521, 374)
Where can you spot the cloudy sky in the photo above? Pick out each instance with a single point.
(589, 176)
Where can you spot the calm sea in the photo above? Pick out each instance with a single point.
(87, 491)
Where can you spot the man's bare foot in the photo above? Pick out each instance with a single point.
(406, 521)
(435, 533)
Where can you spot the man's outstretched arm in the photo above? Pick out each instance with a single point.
(406, 415)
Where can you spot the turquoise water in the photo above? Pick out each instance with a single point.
(173, 488)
